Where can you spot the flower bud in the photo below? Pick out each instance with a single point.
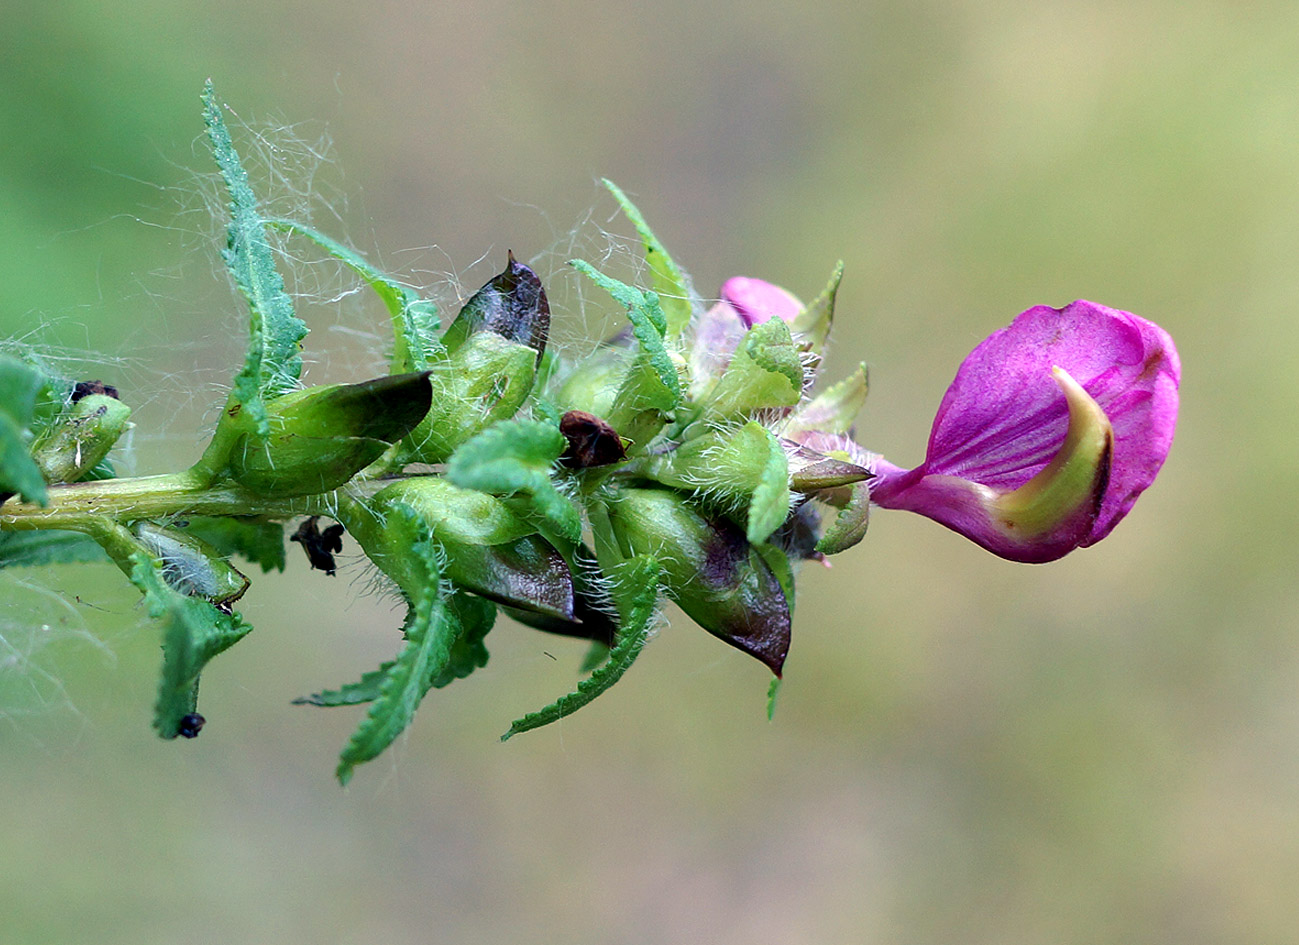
(489, 549)
(192, 566)
(710, 569)
(487, 378)
(322, 436)
(512, 305)
(81, 437)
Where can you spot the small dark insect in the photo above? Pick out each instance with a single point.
(86, 388)
(191, 725)
(320, 546)
(591, 441)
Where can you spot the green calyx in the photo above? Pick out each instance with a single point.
(80, 438)
(486, 379)
(323, 436)
(709, 568)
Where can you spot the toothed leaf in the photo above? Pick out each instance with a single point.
(667, 278)
(651, 388)
(812, 325)
(274, 362)
(195, 631)
(415, 321)
(635, 591)
(772, 692)
(834, 409)
(516, 457)
(431, 630)
(765, 372)
(849, 526)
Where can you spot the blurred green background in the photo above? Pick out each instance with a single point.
(1101, 750)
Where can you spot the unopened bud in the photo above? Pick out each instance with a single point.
(710, 569)
(488, 548)
(322, 436)
(81, 436)
(486, 379)
(512, 305)
(192, 566)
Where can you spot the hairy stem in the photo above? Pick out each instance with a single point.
(154, 497)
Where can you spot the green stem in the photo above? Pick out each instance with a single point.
(151, 498)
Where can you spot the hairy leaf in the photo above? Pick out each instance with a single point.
(274, 362)
(668, 280)
(745, 470)
(431, 630)
(515, 457)
(833, 410)
(765, 372)
(365, 689)
(195, 632)
(812, 325)
(651, 388)
(476, 617)
(849, 526)
(468, 653)
(635, 590)
(19, 473)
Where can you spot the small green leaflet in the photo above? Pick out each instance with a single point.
(365, 689)
(431, 631)
(636, 592)
(19, 473)
(415, 321)
(516, 456)
(746, 468)
(467, 654)
(765, 372)
(849, 526)
(194, 633)
(669, 281)
(648, 324)
(772, 692)
(834, 409)
(274, 361)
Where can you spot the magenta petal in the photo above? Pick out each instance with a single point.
(1004, 418)
(757, 301)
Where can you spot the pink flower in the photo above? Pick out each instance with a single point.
(1051, 429)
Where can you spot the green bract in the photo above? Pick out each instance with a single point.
(681, 458)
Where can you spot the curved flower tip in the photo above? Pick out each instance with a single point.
(743, 303)
(756, 301)
(1052, 428)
